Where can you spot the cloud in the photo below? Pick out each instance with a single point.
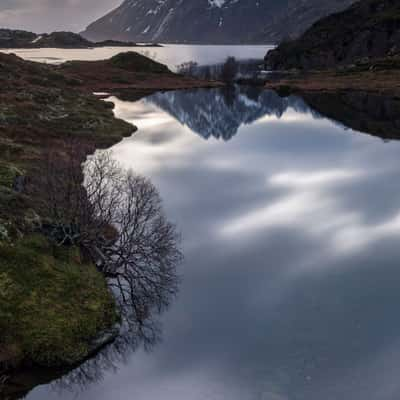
(50, 15)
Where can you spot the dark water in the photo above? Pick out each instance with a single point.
(290, 225)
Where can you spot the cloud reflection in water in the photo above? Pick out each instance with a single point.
(291, 239)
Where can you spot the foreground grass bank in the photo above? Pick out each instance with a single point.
(53, 305)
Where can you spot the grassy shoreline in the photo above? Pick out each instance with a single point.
(53, 304)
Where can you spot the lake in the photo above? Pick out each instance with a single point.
(290, 228)
(171, 55)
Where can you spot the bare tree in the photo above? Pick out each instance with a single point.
(229, 70)
(141, 260)
(189, 68)
(116, 218)
(207, 72)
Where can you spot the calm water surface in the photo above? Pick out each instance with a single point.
(171, 55)
(291, 279)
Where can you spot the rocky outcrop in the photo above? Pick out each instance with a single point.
(16, 38)
(210, 21)
(368, 30)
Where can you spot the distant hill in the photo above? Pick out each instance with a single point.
(368, 30)
(210, 21)
(13, 39)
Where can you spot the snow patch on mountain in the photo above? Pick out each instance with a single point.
(216, 3)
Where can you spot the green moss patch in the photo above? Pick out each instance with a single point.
(51, 305)
(8, 173)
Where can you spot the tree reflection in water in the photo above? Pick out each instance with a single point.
(144, 334)
(140, 265)
(134, 333)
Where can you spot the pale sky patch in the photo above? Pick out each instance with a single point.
(52, 15)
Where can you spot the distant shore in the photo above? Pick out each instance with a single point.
(18, 39)
(381, 76)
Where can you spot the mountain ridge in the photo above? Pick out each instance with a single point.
(210, 21)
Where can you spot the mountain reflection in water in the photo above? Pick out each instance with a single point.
(362, 111)
(220, 113)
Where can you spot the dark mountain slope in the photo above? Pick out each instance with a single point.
(210, 21)
(368, 30)
(298, 16)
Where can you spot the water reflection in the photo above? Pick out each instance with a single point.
(220, 113)
(366, 112)
(116, 219)
(141, 333)
(291, 232)
(146, 334)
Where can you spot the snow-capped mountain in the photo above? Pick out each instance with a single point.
(220, 113)
(210, 21)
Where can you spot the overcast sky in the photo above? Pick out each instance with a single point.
(50, 15)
